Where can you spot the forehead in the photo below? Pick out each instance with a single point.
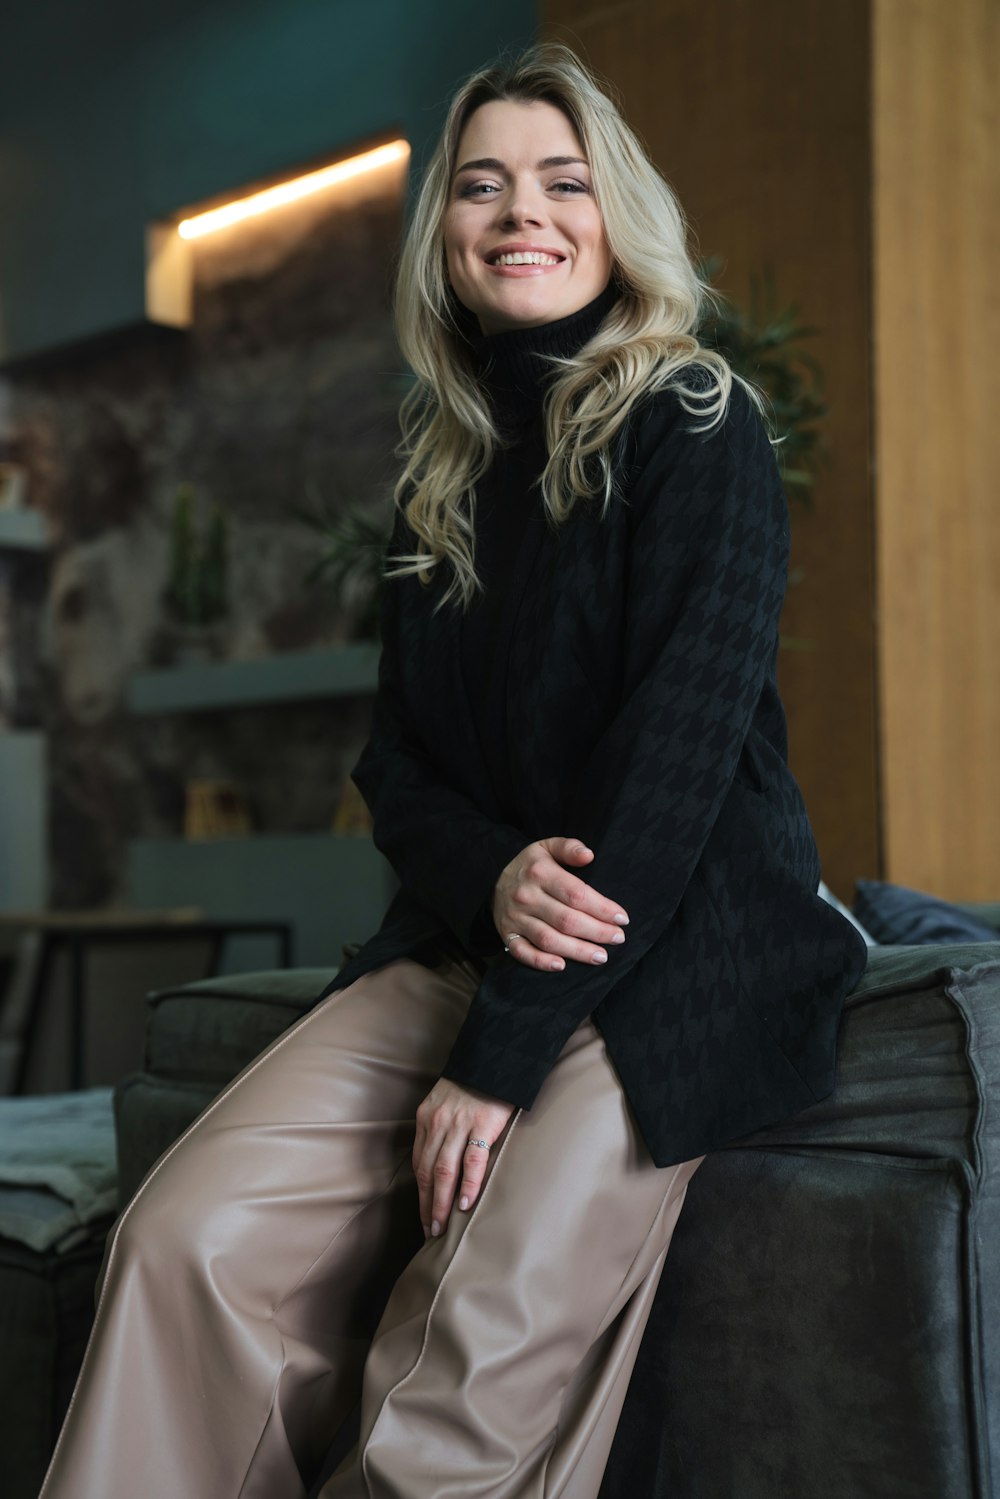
(510, 129)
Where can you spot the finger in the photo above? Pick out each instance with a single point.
(568, 848)
(571, 891)
(447, 1169)
(545, 947)
(546, 895)
(415, 1160)
(475, 1160)
(424, 1172)
(527, 953)
(575, 918)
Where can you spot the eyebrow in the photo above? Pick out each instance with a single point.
(491, 163)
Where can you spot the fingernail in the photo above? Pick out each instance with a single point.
(464, 1203)
(435, 1228)
(557, 966)
(426, 1230)
(585, 849)
(621, 918)
(600, 957)
(618, 937)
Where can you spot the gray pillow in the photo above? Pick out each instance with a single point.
(894, 914)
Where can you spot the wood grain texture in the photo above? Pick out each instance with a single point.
(937, 331)
(757, 112)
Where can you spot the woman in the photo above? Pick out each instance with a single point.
(607, 955)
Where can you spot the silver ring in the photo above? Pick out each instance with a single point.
(485, 1144)
(512, 938)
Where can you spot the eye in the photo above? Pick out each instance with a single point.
(573, 187)
(476, 187)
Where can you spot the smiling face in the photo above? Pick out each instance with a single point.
(523, 236)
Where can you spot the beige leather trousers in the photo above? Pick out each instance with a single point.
(271, 1270)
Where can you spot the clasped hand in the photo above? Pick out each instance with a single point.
(556, 916)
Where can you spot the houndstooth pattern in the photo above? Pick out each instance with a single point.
(642, 716)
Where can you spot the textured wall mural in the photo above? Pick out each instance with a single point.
(283, 393)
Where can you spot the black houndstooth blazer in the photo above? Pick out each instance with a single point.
(643, 717)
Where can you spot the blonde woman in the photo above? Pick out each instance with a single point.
(449, 1190)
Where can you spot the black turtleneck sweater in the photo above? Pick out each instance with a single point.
(509, 498)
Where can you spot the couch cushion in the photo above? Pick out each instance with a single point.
(917, 1055)
(46, 1313)
(150, 1114)
(916, 965)
(811, 1337)
(832, 1291)
(208, 1030)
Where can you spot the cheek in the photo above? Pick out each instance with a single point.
(457, 242)
(602, 253)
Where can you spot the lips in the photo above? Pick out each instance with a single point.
(521, 247)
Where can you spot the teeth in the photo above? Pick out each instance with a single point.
(533, 258)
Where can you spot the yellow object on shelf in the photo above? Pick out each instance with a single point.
(214, 809)
(352, 814)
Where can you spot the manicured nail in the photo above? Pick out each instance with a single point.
(600, 957)
(464, 1203)
(557, 966)
(618, 937)
(435, 1228)
(621, 918)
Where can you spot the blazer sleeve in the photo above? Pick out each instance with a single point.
(706, 577)
(446, 852)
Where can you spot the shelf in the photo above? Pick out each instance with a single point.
(23, 530)
(333, 888)
(345, 671)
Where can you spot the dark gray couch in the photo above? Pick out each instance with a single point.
(828, 1324)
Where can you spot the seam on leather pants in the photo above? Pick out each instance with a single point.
(600, 1333)
(292, 1289)
(674, 1170)
(434, 1301)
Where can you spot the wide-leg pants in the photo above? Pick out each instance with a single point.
(271, 1270)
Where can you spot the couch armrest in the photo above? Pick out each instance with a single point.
(206, 1031)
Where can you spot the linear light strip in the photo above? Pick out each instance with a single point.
(289, 192)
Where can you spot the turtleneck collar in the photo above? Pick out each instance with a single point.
(509, 366)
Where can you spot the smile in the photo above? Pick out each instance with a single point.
(534, 257)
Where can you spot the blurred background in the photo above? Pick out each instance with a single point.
(196, 433)
(197, 422)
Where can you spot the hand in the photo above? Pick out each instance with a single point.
(555, 915)
(447, 1119)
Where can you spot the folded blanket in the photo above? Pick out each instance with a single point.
(58, 1167)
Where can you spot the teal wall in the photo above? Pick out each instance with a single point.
(115, 113)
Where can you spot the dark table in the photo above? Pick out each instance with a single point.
(77, 931)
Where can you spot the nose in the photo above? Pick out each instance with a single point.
(522, 205)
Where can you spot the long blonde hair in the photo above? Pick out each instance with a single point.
(449, 433)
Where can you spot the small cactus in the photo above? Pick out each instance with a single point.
(196, 591)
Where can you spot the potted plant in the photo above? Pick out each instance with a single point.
(196, 590)
(353, 542)
(762, 345)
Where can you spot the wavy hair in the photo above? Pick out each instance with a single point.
(449, 435)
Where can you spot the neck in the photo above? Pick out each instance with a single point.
(512, 364)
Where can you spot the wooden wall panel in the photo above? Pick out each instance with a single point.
(757, 112)
(937, 259)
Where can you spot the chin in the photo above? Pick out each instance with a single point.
(536, 310)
